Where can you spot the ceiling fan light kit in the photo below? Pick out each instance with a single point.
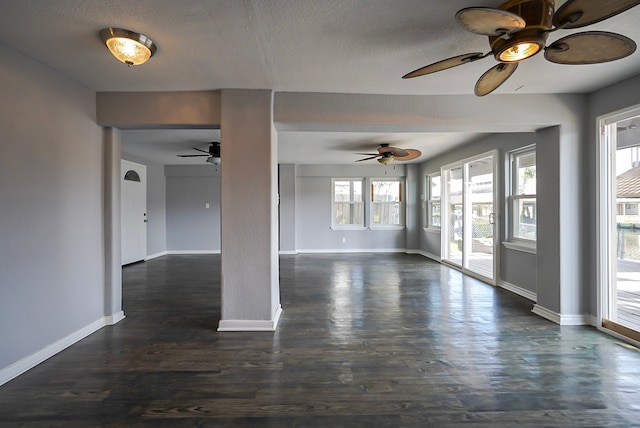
(128, 46)
(519, 29)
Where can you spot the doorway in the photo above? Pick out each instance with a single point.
(619, 223)
(133, 209)
(468, 238)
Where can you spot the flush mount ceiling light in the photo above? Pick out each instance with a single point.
(128, 46)
(518, 29)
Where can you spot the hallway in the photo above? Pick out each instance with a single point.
(367, 340)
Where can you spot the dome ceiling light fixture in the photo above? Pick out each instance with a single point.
(518, 29)
(128, 46)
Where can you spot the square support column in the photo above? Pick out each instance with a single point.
(113, 266)
(249, 213)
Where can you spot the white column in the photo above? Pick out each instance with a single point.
(113, 269)
(249, 216)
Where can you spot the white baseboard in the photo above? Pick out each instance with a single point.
(546, 313)
(576, 319)
(351, 250)
(523, 292)
(293, 252)
(569, 319)
(592, 320)
(193, 252)
(251, 325)
(114, 319)
(16, 369)
(425, 254)
(156, 255)
(361, 250)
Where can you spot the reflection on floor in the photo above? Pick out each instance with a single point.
(628, 283)
(480, 263)
(371, 340)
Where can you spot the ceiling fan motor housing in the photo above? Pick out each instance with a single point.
(538, 15)
(214, 149)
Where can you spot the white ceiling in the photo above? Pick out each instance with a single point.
(338, 46)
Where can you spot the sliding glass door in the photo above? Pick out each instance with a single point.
(619, 235)
(469, 205)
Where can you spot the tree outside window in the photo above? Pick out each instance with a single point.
(347, 203)
(386, 198)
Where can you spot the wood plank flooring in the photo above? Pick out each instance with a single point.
(365, 340)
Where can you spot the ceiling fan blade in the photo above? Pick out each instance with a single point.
(369, 158)
(200, 150)
(411, 154)
(395, 151)
(590, 47)
(494, 77)
(445, 64)
(580, 13)
(368, 154)
(191, 156)
(487, 21)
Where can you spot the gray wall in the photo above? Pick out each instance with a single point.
(51, 216)
(287, 207)
(190, 225)
(516, 267)
(313, 211)
(156, 205)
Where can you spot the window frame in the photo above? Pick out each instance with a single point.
(349, 226)
(513, 199)
(402, 205)
(431, 200)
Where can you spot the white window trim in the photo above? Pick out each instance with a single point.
(429, 200)
(403, 210)
(352, 226)
(513, 242)
(526, 246)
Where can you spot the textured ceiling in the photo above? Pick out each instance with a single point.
(337, 46)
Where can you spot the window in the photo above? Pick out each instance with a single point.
(386, 204)
(522, 198)
(432, 208)
(131, 175)
(347, 203)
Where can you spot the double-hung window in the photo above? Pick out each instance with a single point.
(522, 199)
(348, 210)
(432, 204)
(387, 208)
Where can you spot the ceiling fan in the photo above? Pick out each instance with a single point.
(387, 154)
(518, 29)
(213, 155)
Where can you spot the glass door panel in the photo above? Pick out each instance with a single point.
(481, 195)
(623, 290)
(455, 210)
(469, 202)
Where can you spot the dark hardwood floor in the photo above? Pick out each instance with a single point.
(365, 340)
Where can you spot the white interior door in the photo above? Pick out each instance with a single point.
(133, 209)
